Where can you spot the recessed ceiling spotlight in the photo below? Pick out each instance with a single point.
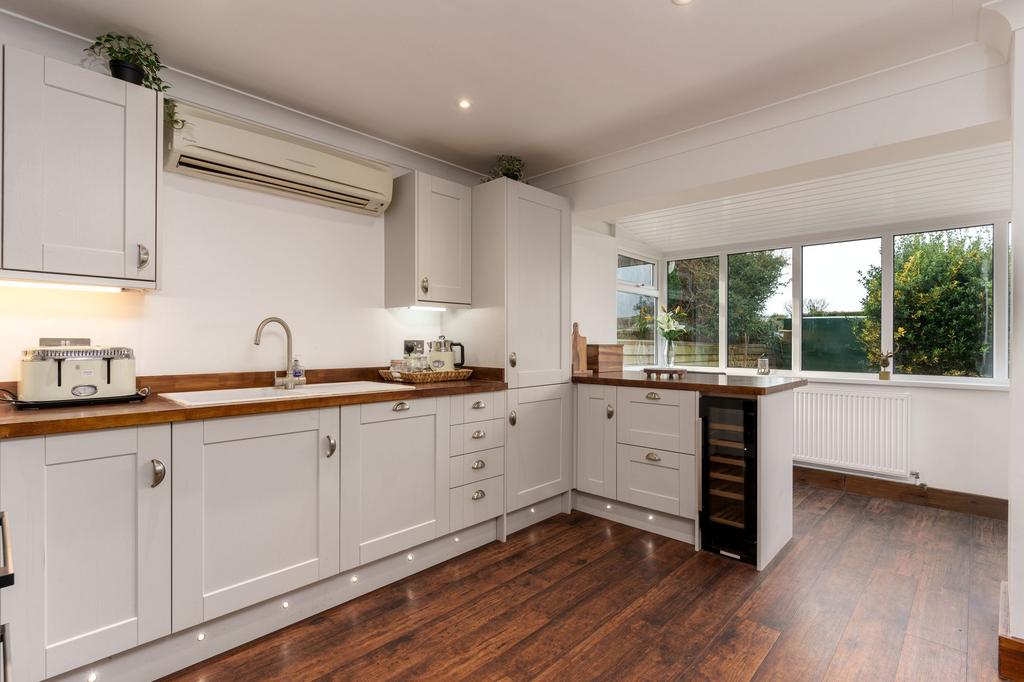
(465, 103)
(681, 2)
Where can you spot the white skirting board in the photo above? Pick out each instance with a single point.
(674, 527)
(182, 649)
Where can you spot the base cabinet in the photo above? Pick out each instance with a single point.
(394, 477)
(91, 523)
(255, 509)
(595, 439)
(539, 444)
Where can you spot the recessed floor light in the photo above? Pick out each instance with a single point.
(465, 103)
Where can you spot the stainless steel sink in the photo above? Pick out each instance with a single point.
(264, 393)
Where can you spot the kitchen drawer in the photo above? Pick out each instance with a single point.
(477, 407)
(476, 466)
(399, 409)
(477, 436)
(657, 479)
(476, 502)
(654, 418)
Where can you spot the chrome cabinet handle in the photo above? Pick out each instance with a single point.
(478, 434)
(653, 396)
(401, 406)
(479, 495)
(512, 359)
(159, 473)
(479, 405)
(425, 284)
(652, 457)
(143, 258)
(479, 464)
(610, 411)
(513, 417)
(332, 446)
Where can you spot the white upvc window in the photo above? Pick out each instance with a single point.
(636, 309)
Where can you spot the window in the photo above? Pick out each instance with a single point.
(637, 310)
(942, 302)
(693, 289)
(842, 315)
(759, 305)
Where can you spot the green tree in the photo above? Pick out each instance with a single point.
(754, 278)
(693, 287)
(942, 304)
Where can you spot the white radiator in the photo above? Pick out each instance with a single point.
(853, 429)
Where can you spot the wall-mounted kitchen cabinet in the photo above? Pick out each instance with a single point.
(90, 519)
(256, 509)
(428, 243)
(80, 174)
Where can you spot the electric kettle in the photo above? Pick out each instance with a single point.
(442, 355)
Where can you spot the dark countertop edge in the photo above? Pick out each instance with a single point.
(159, 410)
(709, 388)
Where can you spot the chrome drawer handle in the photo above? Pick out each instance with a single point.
(478, 434)
(479, 495)
(332, 446)
(479, 464)
(652, 457)
(653, 396)
(610, 411)
(401, 406)
(159, 473)
(479, 405)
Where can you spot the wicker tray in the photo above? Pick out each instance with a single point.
(426, 377)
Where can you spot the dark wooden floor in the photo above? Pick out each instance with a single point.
(868, 589)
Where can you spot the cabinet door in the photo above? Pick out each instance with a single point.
(595, 439)
(539, 244)
(80, 169)
(539, 444)
(394, 479)
(255, 509)
(90, 519)
(443, 245)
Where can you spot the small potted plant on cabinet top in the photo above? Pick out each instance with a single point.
(135, 61)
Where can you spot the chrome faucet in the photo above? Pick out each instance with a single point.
(287, 381)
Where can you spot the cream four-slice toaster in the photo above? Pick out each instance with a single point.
(63, 371)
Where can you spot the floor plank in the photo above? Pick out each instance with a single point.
(868, 589)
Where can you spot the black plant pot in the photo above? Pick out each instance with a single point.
(126, 71)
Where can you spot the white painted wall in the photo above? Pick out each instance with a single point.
(594, 261)
(229, 257)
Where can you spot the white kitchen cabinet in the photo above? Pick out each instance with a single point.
(90, 517)
(394, 477)
(80, 173)
(256, 509)
(595, 439)
(538, 444)
(428, 243)
(539, 254)
(521, 277)
(656, 418)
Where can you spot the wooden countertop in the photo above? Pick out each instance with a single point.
(158, 410)
(710, 382)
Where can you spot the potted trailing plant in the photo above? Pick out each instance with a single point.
(134, 60)
(505, 166)
(671, 328)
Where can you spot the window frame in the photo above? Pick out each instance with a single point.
(654, 291)
(887, 233)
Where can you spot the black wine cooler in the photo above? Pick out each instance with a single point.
(728, 516)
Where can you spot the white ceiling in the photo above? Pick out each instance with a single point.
(553, 81)
(973, 181)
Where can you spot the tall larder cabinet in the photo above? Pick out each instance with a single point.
(520, 321)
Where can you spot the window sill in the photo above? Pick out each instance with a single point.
(865, 380)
